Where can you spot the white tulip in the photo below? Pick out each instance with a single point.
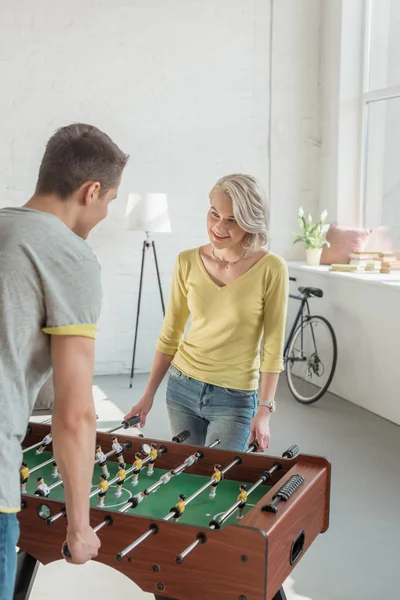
(309, 219)
(324, 214)
(301, 212)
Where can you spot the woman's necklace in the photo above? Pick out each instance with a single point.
(227, 262)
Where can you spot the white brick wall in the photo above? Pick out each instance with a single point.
(182, 86)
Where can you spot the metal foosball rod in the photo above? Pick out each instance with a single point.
(154, 529)
(125, 424)
(290, 453)
(32, 447)
(180, 438)
(111, 453)
(133, 502)
(62, 513)
(216, 523)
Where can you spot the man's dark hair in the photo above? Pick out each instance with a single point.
(76, 154)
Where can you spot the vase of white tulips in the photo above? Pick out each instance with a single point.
(313, 236)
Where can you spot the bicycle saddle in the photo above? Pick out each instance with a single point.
(311, 291)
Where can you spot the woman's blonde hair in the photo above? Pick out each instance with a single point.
(250, 206)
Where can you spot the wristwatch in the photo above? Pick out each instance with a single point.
(270, 404)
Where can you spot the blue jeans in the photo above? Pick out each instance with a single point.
(210, 412)
(9, 534)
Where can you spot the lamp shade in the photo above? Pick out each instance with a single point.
(147, 212)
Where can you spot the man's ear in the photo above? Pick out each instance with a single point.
(90, 192)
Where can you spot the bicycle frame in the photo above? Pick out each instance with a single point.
(299, 317)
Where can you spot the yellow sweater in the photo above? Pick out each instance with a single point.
(227, 324)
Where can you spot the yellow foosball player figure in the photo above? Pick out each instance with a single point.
(101, 457)
(243, 497)
(54, 471)
(180, 507)
(121, 478)
(45, 442)
(103, 487)
(154, 456)
(42, 488)
(24, 475)
(216, 477)
(118, 449)
(137, 466)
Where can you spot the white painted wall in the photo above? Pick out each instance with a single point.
(295, 123)
(183, 87)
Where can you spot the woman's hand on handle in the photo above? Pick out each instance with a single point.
(259, 428)
(141, 409)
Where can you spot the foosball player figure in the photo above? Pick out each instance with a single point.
(24, 475)
(166, 477)
(193, 458)
(137, 498)
(180, 506)
(243, 497)
(154, 456)
(101, 457)
(54, 471)
(42, 488)
(137, 465)
(121, 478)
(118, 449)
(45, 442)
(103, 487)
(216, 477)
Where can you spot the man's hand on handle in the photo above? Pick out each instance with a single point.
(82, 546)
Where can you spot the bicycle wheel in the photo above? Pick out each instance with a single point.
(311, 359)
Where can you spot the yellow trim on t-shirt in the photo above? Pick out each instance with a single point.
(9, 510)
(84, 330)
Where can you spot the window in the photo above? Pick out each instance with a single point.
(381, 116)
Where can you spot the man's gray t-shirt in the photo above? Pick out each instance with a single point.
(50, 284)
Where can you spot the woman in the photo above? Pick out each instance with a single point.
(235, 292)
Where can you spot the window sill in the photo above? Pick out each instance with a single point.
(391, 280)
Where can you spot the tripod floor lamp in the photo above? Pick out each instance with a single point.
(147, 213)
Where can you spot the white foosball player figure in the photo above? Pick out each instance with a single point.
(166, 477)
(101, 457)
(54, 471)
(118, 449)
(45, 442)
(42, 488)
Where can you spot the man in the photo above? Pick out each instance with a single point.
(50, 298)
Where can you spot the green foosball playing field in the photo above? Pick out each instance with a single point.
(158, 503)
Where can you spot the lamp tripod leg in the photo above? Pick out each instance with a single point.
(158, 277)
(145, 246)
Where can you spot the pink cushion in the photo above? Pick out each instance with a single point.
(344, 241)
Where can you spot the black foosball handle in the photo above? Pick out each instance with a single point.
(291, 452)
(131, 422)
(284, 493)
(181, 437)
(66, 551)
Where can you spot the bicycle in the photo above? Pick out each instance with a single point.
(312, 345)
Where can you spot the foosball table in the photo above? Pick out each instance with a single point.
(180, 521)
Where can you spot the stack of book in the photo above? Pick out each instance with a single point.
(390, 262)
(370, 262)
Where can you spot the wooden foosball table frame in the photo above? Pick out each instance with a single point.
(246, 561)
